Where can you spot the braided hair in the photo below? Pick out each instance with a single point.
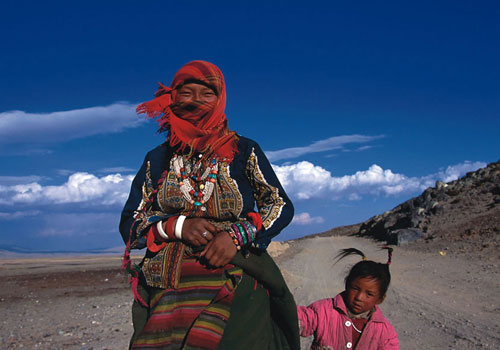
(368, 269)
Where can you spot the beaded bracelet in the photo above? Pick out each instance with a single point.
(244, 231)
(237, 233)
(235, 240)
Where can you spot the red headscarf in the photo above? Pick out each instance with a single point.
(200, 127)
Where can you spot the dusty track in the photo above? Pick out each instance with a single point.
(435, 301)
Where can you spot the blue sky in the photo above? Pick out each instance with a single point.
(359, 105)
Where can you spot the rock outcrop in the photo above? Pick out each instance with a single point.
(464, 209)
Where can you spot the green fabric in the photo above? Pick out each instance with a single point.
(259, 321)
(140, 313)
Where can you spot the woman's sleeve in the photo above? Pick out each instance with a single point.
(138, 214)
(273, 205)
(308, 319)
(128, 225)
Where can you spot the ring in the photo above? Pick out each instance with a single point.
(204, 234)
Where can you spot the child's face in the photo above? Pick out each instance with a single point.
(363, 294)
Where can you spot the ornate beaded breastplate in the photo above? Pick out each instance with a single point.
(200, 188)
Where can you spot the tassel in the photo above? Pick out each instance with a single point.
(134, 282)
(133, 273)
(256, 220)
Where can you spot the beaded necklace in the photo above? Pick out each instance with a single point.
(200, 194)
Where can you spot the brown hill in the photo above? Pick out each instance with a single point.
(460, 216)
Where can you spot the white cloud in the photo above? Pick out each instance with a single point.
(79, 188)
(118, 169)
(19, 214)
(39, 128)
(363, 148)
(332, 143)
(302, 181)
(305, 180)
(17, 180)
(453, 172)
(307, 219)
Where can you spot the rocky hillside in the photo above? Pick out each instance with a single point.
(461, 215)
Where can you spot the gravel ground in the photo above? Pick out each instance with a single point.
(435, 299)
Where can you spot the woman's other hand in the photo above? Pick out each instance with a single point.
(198, 231)
(220, 250)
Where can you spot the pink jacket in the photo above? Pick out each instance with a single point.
(327, 319)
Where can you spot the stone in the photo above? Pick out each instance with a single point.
(404, 236)
(441, 184)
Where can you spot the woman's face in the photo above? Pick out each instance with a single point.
(195, 92)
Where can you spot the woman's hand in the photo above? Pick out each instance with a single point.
(220, 250)
(193, 231)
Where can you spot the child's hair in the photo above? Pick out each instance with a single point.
(368, 269)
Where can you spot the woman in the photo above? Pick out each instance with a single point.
(205, 279)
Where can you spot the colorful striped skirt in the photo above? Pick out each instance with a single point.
(222, 308)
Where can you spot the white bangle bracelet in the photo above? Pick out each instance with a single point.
(162, 233)
(178, 226)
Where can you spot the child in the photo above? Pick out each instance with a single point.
(352, 320)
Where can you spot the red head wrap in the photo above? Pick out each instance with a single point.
(202, 129)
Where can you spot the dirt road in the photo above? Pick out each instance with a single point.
(434, 301)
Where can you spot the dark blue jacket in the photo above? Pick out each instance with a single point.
(256, 196)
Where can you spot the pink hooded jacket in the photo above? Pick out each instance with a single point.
(327, 319)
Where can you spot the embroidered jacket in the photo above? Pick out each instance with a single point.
(327, 320)
(245, 185)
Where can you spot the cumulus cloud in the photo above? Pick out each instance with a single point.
(79, 188)
(453, 172)
(305, 180)
(332, 143)
(40, 128)
(307, 219)
(302, 181)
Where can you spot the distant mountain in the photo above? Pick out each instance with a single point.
(9, 249)
(465, 211)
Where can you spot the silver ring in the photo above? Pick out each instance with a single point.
(204, 234)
